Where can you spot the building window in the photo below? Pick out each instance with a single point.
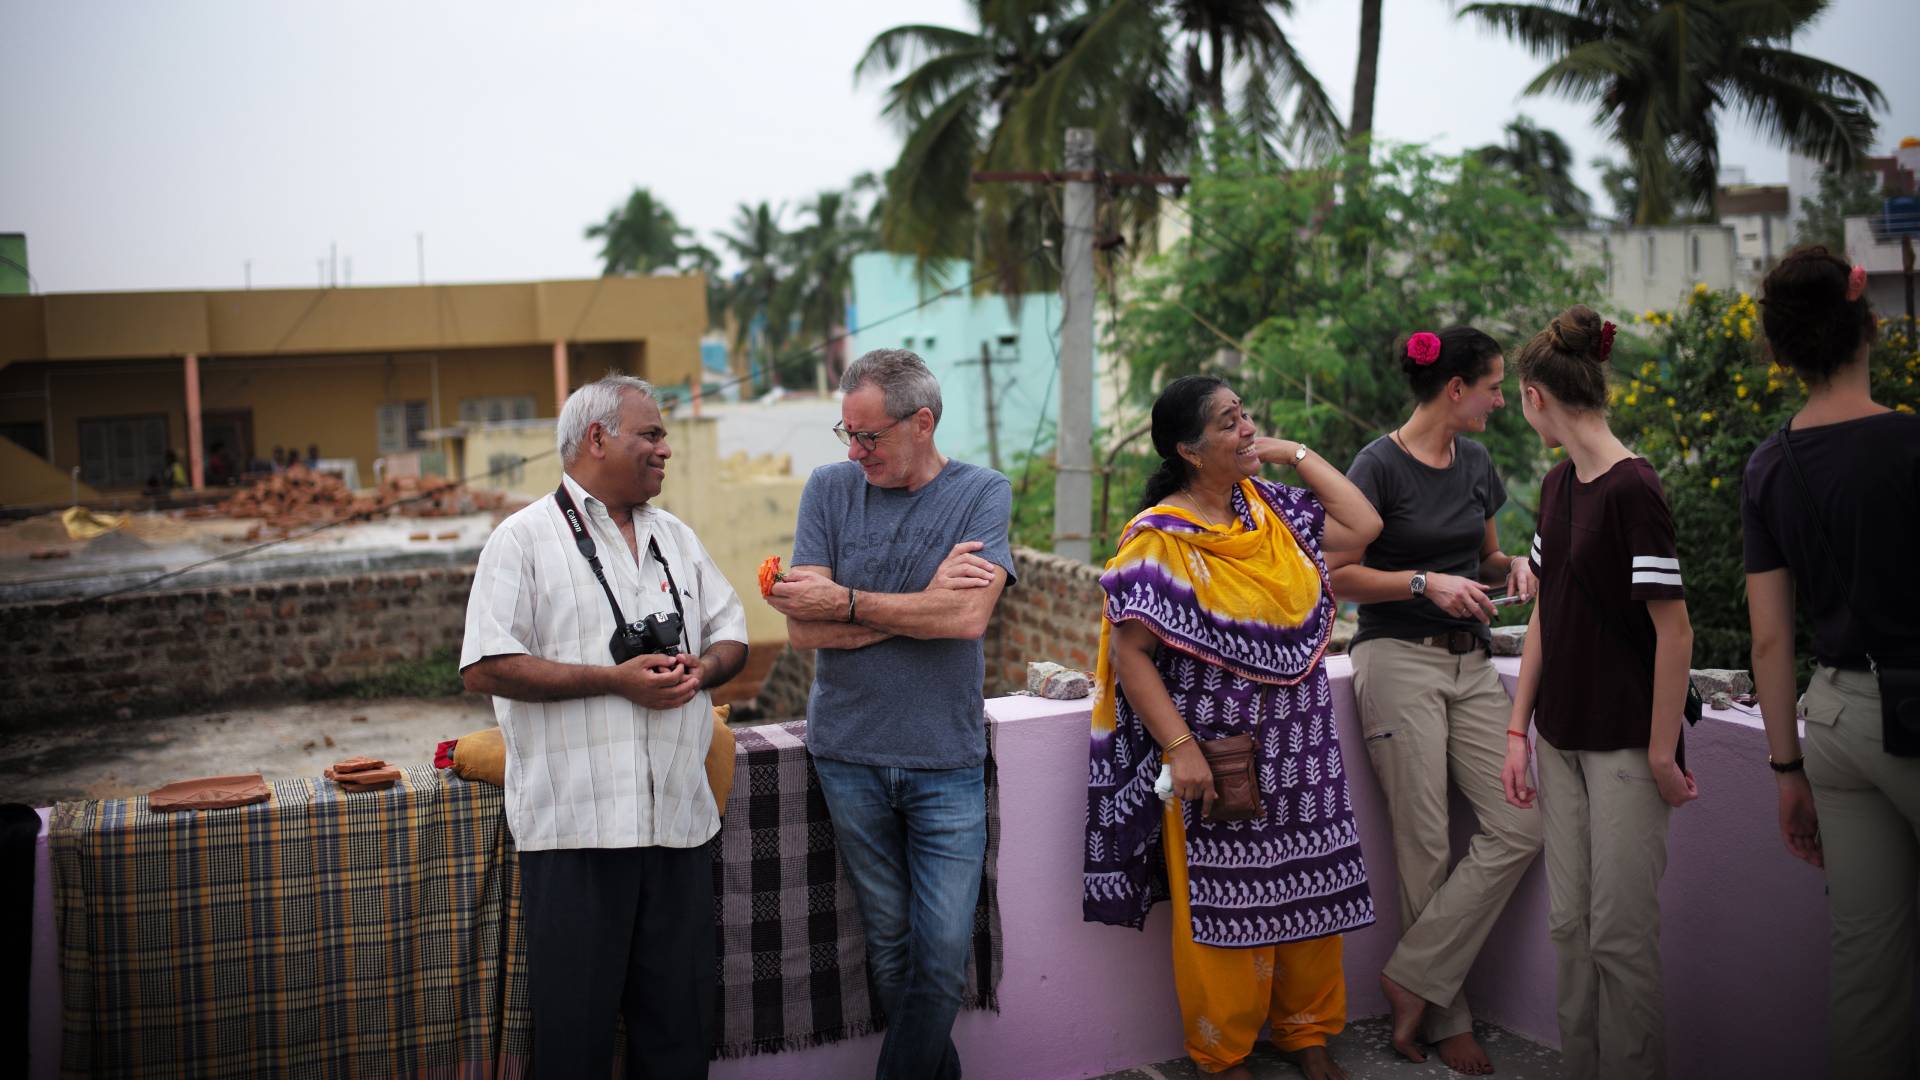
(492, 410)
(122, 451)
(399, 424)
(506, 468)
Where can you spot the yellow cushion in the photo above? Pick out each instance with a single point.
(482, 757)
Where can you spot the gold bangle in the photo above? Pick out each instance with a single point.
(1168, 749)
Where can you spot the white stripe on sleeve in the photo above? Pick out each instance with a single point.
(1655, 562)
(1655, 577)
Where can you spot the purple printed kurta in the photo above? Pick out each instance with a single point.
(1297, 872)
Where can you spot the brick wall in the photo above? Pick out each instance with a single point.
(194, 647)
(1052, 614)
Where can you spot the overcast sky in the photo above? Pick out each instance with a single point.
(160, 144)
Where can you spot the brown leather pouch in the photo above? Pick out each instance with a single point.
(1236, 790)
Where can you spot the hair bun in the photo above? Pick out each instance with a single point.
(1577, 332)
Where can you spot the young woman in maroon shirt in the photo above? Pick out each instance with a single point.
(1603, 675)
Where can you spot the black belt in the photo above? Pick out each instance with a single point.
(1457, 642)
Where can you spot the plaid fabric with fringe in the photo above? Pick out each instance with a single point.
(793, 958)
(315, 934)
(378, 934)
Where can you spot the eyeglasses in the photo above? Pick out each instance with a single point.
(866, 439)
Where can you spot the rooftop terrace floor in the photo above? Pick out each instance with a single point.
(1364, 1052)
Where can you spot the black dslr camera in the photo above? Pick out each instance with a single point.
(657, 633)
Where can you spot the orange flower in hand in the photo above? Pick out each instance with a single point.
(770, 573)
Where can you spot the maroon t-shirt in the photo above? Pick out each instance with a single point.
(1603, 550)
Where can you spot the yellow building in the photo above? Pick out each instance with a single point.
(110, 382)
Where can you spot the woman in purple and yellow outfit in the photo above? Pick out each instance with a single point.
(1217, 616)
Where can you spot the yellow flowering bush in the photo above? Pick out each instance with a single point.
(1697, 392)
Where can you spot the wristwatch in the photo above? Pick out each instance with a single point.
(1419, 584)
(1299, 455)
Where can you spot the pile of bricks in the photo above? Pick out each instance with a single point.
(301, 498)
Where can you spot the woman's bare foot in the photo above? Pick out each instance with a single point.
(1316, 1063)
(1464, 1055)
(1407, 1008)
(1237, 1072)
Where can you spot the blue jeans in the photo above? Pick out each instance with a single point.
(914, 841)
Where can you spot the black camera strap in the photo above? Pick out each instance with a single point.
(584, 541)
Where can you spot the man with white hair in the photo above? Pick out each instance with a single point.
(899, 556)
(598, 623)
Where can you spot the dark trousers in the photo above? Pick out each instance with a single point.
(622, 932)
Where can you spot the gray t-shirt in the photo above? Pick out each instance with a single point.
(901, 702)
(1433, 520)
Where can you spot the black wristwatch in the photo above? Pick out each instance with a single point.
(1419, 583)
(1795, 765)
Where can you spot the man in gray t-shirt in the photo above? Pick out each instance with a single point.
(898, 559)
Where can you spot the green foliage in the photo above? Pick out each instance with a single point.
(639, 236)
(1842, 195)
(434, 675)
(1148, 79)
(1321, 281)
(1695, 398)
(1541, 160)
(1661, 74)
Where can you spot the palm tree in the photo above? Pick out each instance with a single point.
(1661, 71)
(1543, 163)
(638, 236)
(1366, 72)
(813, 297)
(761, 246)
(1002, 96)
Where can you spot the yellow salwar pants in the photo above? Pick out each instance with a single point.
(1227, 995)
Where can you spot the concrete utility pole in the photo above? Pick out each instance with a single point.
(1073, 446)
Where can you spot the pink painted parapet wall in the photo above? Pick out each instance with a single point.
(1744, 927)
(1743, 934)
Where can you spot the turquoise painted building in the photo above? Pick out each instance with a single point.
(1021, 342)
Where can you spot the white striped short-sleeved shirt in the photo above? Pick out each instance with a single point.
(598, 772)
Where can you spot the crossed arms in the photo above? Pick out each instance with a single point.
(822, 614)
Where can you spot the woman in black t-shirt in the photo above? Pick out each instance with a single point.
(1604, 675)
(1845, 539)
(1431, 705)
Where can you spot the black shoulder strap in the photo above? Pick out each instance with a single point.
(584, 541)
(1819, 526)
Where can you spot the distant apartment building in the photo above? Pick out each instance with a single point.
(1653, 267)
(1762, 227)
(110, 383)
(996, 360)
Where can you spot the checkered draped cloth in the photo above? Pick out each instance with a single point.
(793, 958)
(378, 934)
(315, 934)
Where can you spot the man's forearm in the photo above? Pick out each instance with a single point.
(531, 678)
(929, 615)
(721, 662)
(802, 634)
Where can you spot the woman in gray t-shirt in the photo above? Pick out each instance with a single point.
(1431, 704)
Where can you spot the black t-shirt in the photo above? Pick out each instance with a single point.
(1864, 476)
(1604, 549)
(1433, 520)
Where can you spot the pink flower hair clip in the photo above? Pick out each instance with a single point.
(1423, 348)
(1856, 283)
(1607, 330)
